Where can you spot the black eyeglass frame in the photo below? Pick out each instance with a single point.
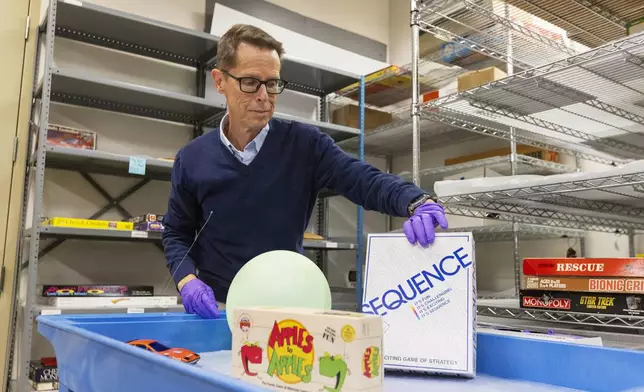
(239, 79)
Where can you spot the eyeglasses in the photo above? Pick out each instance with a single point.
(249, 84)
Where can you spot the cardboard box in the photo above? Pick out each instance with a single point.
(480, 77)
(308, 350)
(592, 285)
(427, 299)
(112, 302)
(63, 136)
(96, 290)
(534, 152)
(635, 27)
(577, 266)
(349, 116)
(430, 96)
(149, 226)
(40, 373)
(621, 304)
(428, 44)
(146, 218)
(79, 223)
(386, 86)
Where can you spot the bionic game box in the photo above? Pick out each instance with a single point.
(427, 300)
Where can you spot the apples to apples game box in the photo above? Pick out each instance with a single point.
(307, 350)
(427, 300)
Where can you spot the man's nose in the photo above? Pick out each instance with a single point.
(262, 93)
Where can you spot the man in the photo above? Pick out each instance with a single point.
(250, 186)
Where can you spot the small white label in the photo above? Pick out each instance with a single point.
(139, 234)
(331, 244)
(135, 310)
(47, 312)
(74, 2)
(137, 166)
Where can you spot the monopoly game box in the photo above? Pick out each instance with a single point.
(607, 303)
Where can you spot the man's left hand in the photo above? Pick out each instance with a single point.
(420, 226)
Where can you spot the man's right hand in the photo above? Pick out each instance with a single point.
(198, 297)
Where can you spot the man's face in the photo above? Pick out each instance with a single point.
(250, 110)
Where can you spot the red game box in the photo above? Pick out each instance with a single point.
(63, 136)
(613, 266)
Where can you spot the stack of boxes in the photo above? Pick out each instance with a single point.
(588, 285)
(103, 296)
(43, 374)
(148, 222)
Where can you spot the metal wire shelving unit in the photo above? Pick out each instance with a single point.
(124, 32)
(581, 102)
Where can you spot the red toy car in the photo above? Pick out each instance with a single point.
(178, 354)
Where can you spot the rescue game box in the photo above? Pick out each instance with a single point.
(427, 300)
(307, 350)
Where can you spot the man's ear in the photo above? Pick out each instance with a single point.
(218, 78)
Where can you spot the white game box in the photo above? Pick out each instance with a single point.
(427, 300)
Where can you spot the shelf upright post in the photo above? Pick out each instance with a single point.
(201, 80)
(513, 167)
(322, 221)
(415, 98)
(388, 218)
(360, 219)
(32, 265)
(631, 243)
(582, 239)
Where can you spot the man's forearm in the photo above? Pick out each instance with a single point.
(363, 183)
(176, 247)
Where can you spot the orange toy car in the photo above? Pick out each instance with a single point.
(178, 354)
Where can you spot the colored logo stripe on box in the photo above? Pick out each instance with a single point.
(617, 267)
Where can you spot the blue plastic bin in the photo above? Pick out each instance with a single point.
(93, 356)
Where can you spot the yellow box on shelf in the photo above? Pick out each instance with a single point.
(79, 223)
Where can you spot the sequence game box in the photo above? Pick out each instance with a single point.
(427, 300)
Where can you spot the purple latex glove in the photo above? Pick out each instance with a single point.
(199, 298)
(420, 226)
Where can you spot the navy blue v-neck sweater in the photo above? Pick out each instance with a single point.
(263, 206)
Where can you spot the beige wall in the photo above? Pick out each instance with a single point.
(16, 69)
(369, 18)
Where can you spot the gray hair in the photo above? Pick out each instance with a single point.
(227, 47)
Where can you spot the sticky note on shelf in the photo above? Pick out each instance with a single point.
(137, 166)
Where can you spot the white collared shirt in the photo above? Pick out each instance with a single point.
(251, 150)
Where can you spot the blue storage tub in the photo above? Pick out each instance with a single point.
(93, 357)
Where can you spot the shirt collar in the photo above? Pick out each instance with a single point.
(254, 145)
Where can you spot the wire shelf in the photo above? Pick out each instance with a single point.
(508, 212)
(587, 319)
(504, 232)
(591, 23)
(490, 27)
(396, 137)
(500, 164)
(612, 200)
(390, 89)
(560, 99)
(487, 125)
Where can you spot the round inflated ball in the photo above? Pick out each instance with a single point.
(278, 278)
